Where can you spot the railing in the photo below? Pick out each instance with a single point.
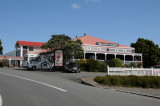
(133, 71)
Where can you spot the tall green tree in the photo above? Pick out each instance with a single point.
(56, 42)
(1, 47)
(72, 49)
(150, 50)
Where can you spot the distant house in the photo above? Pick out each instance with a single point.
(99, 49)
(22, 47)
(27, 47)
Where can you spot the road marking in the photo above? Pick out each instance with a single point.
(35, 82)
(0, 100)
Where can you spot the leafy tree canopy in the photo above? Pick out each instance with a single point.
(1, 48)
(151, 51)
(71, 48)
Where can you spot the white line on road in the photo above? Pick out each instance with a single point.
(0, 100)
(35, 82)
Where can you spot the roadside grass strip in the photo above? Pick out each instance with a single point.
(35, 82)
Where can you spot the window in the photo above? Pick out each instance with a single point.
(103, 49)
(37, 59)
(107, 44)
(128, 50)
(120, 50)
(25, 59)
(111, 49)
(89, 48)
(30, 48)
(93, 48)
(24, 47)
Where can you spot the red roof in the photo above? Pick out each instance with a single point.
(10, 57)
(93, 40)
(29, 43)
(44, 50)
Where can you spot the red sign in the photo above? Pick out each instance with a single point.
(58, 58)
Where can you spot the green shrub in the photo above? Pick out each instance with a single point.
(130, 81)
(4, 62)
(133, 65)
(158, 63)
(114, 80)
(92, 65)
(102, 67)
(82, 63)
(115, 62)
(1, 63)
(102, 80)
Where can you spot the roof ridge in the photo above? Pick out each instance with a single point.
(101, 39)
(30, 41)
(86, 39)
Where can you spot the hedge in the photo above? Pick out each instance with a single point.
(91, 65)
(130, 81)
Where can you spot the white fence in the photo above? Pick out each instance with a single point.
(133, 71)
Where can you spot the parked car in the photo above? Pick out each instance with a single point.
(72, 67)
(156, 66)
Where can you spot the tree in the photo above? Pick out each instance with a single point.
(71, 48)
(1, 48)
(150, 51)
(56, 42)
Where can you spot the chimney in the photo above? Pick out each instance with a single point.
(76, 36)
(84, 34)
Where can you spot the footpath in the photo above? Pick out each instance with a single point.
(155, 93)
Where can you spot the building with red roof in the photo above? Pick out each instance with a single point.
(27, 47)
(100, 49)
(15, 58)
(94, 48)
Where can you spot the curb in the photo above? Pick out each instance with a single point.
(83, 81)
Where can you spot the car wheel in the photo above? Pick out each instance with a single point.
(34, 68)
(78, 71)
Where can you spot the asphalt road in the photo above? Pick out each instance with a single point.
(37, 88)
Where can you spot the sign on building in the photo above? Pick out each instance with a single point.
(58, 57)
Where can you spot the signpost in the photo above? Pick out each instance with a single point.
(58, 57)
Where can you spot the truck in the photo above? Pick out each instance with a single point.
(37, 61)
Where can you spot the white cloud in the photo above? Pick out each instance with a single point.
(76, 6)
(93, 1)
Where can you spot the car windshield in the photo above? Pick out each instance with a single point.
(72, 65)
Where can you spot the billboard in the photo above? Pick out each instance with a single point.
(58, 57)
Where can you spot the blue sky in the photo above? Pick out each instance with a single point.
(120, 21)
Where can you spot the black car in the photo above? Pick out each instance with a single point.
(72, 67)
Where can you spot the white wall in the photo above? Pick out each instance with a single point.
(35, 49)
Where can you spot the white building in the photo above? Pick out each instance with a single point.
(22, 48)
(100, 49)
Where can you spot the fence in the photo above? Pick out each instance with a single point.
(133, 71)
